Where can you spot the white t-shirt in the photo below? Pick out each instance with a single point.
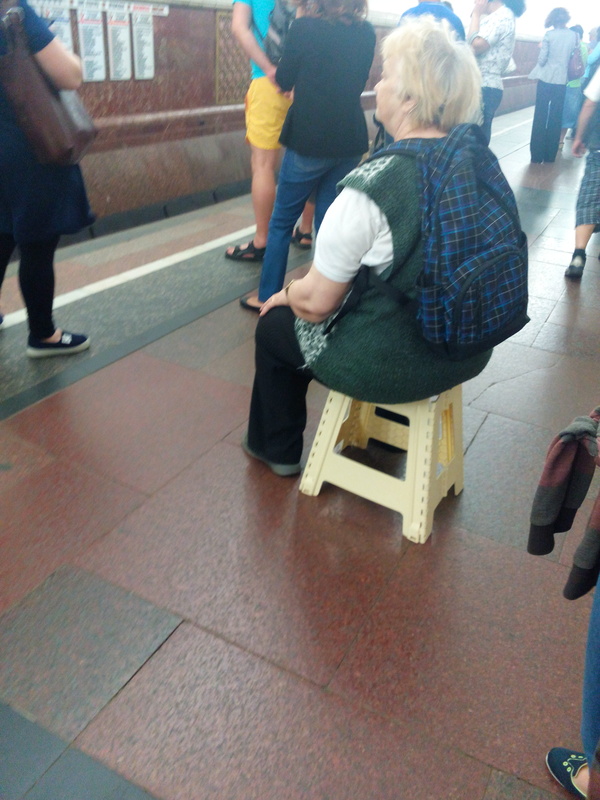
(498, 30)
(354, 231)
(592, 90)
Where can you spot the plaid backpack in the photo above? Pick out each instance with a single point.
(472, 290)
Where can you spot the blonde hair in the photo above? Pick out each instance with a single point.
(429, 66)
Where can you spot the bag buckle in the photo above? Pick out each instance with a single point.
(15, 12)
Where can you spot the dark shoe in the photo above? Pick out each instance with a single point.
(68, 344)
(283, 470)
(1, 320)
(575, 268)
(564, 765)
(248, 306)
(303, 241)
(248, 253)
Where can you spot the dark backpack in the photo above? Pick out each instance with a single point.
(472, 291)
(280, 19)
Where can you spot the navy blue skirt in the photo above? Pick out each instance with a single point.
(37, 201)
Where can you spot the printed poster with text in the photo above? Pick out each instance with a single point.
(118, 23)
(91, 40)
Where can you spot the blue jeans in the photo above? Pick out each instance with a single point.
(590, 717)
(298, 178)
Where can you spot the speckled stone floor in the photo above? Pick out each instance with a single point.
(177, 623)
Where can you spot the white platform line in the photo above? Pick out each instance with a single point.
(16, 317)
(512, 127)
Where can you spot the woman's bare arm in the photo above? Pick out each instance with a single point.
(312, 298)
(61, 66)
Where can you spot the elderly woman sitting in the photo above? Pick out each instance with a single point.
(430, 83)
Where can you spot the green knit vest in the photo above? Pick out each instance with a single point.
(376, 352)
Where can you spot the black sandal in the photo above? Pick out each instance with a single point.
(299, 237)
(248, 253)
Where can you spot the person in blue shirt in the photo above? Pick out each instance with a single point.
(266, 108)
(438, 10)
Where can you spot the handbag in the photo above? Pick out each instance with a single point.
(576, 66)
(54, 122)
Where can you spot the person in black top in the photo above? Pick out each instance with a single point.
(326, 62)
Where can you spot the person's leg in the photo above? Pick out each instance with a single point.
(36, 279)
(7, 248)
(298, 177)
(266, 109)
(491, 99)
(540, 118)
(590, 712)
(264, 187)
(278, 406)
(587, 214)
(555, 111)
(327, 187)
(306, 220)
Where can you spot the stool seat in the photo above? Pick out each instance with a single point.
(429, 431)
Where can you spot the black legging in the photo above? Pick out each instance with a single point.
(36, 279)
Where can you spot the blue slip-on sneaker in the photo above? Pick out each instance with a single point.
(67, 344)
(283, 470)
(564, 765)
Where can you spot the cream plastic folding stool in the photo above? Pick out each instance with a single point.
(434, 455)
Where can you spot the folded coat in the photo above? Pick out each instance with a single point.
(568, 471)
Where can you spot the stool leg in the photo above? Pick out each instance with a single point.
(423, 455)
(456, 464)
(332, 419)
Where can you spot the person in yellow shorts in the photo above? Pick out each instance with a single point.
(266, 108)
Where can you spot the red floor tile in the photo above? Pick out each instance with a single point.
(204, 720)
(49, 516)
(240, 552)
(459, 643)
(139, 421)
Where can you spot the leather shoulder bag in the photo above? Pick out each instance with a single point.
(55, 122)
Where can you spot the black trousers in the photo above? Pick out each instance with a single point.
(491, 99)
(278, 405)
(547, 121)
(36, 279)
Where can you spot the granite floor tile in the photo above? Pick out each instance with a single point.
(510, 361)
(571, 341)
(502, 469)
(26, 752)
(468, 640)
(236, 366)
(547, 280)
(76, 776)
(208, 339)
(507, 787)
(72, 644)
(541, 397)
(19, 458)
(572, 315)
(205, 720)
(550, 256)
(240, 552)
(51, 514)
(159, 419)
